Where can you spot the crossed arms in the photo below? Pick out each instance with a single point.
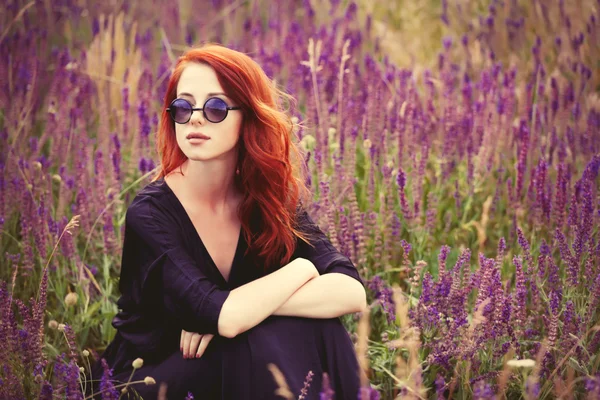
(297, 289)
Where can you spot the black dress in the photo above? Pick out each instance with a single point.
(169, 282)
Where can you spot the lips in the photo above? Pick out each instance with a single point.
(197, 135)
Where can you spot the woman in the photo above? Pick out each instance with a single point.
(223, 271)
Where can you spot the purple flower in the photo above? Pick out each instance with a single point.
(520, 294)
(440, 386)
(383, 294)
(444, 251)
(567, 256)
(401, 181)
(447, 42)
(594, 299)
(368, 393)
(532, 387)
(555, 299)
(592, 386)
(426, 289)
(483, 391)
(326, 391)
(307, 381)
(571, 324)
(108, 390)
(47, 392)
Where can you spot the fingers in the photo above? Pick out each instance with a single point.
(204, 344)
(189, 349)
(185, 342)
(193, 345)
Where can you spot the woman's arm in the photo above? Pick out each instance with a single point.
(337, 291)
(250, 304)
(328, 296)
(170, 279)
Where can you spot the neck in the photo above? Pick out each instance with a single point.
(210, 184)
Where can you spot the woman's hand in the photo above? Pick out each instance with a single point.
(194, 344)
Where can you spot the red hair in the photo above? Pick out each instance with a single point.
(271, 175)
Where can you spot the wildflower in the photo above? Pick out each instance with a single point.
(383, 295)
(525, 363)
(86, 353)
(71, 299)
(56, 178)
(107, 388)
(367, 144)
(419, 265)
(81, 369)
(368, 393)
(149, 380)
(483, 390)
(52, 324)
(137, 363)
(304, 391)
(61, 327)
(37, 165)
(326, 391)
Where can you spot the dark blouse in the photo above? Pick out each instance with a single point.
(169, 282)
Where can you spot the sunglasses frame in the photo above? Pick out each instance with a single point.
(227, 108)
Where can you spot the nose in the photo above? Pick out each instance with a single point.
(197, 117)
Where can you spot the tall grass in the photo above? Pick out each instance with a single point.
(453, 151)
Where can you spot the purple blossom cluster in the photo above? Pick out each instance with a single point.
(491, 149)
(383, 295)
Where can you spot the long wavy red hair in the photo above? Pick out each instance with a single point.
(270, 163)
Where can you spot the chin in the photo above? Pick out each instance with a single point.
(196, 157)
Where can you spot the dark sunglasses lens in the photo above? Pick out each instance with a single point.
(181, 111)
(215, 110)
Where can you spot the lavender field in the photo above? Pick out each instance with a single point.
(453, 149)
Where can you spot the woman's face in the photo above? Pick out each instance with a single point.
(198, 82)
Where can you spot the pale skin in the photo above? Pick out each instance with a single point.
(207, 192)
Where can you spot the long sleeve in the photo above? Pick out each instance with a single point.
(161, 281)
(323, 255)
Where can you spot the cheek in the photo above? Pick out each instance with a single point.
(237, 129)
(179, 132)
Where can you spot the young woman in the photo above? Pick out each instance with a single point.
(223, 271)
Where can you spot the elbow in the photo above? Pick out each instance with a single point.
(361, 300)
(227, 329)
(229, 334)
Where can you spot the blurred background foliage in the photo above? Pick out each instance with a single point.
(467, 124)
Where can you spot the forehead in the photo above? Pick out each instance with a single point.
(198, 79)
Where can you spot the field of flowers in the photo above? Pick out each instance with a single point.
(453, 150)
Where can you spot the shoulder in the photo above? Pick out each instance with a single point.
(303, 216)
(305, 224)
(149, 200)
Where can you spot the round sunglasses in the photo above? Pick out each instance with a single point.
(215, 110)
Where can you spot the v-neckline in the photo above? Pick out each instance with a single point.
(238, 246)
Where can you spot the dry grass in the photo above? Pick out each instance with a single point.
(112, 75)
